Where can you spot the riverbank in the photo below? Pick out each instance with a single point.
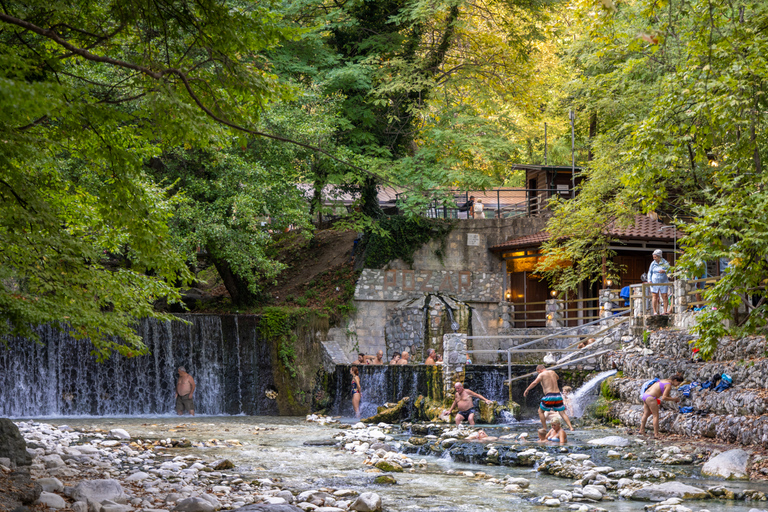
(178, 464)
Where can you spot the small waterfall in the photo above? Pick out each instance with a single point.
(374, 382)
(585, 395)
(223, 353)
(478, 327)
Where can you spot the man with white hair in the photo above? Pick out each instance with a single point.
(185, 391)
(465, 406)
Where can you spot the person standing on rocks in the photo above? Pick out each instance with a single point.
(185, 393)
(465, 407)
(552, 399)
(657, 273)
(357, 390)
(652, 398)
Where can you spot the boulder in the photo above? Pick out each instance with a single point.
(427, 409)
(12, 444)
(666, 490)
(493, 412)
(390, 466)
(393, 414)
(98, 491)
(223, 464)
(385, 480)
(367, 502)
(195, 504)
(137, 477)
(731, 465)
(615, 441)
(263, 507)
(52, 461)
(50, 484)
(119, 433)
(51, 500)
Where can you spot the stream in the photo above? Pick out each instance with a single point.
(273, 448)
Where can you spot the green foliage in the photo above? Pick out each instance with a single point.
(278, 324)
(400, 237)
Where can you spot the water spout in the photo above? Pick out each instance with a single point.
(584, 396)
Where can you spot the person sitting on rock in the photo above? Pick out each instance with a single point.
(556, 434)
(404, 357)
(652, 398)
(430, 360)
(464, 405)
(395, 358)
(586, 342)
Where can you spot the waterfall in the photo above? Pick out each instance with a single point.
(60, 376)
(585, 395)
(478, 327)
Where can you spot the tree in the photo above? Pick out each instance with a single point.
(681, 98)
(89, 92)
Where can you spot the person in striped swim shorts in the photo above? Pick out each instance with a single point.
(552, 399)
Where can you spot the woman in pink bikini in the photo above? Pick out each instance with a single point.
(652, 398)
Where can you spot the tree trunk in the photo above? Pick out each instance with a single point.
(235, 285)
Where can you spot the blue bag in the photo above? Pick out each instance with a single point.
(685, 410)
(725, 382)
(686, 390)
(648, 384)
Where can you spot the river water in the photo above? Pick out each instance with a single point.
(275, 450)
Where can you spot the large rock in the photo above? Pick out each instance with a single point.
(392, 414)
(194, 504)
(50, 484)
(731, 465)
(263, 507)
(51, 500)
(661, 492)
(610, 441)
(98, 491)
(367, 502)
(494, 412)
(119, 433)
(16, 489)
(12, 444)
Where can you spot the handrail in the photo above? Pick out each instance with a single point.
(559, 365)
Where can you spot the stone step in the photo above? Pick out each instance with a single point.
(751, 373)
(738, 401)
(745, 430)
(677, 345)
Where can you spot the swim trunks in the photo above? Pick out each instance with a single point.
(645, 396)
(184, 403)
(466, 413)
(552, 402)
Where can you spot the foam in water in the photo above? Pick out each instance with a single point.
(585, 395)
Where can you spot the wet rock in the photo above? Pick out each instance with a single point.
(385, 480)
(666, 490)
(615, 441)
(111, 506)
(591, 492)
(393, 414)
(223, 464)
(52, 461)
(551, 502)
(392, 467)
(320, 442)
(367, 502)
(426, 409)
(264, 507)
(51, 500)
(732, 464)
(12, 444)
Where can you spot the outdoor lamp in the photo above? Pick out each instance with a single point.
(509, 295)
(608, 283)
(553, 293)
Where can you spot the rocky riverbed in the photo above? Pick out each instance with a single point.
(263, 464)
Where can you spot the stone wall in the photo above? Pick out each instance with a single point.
(397, 285)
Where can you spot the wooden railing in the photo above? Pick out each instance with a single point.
(528, 315)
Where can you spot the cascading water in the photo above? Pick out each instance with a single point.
(585, 395)
(60, 377)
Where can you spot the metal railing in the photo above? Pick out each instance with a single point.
(524, 315)
(560, 334)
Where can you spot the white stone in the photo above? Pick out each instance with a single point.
(731, 465)
(119, 433)
(137, 477)
(616, 441)
(51, 500)
(666, 490)
(98, 491)
(579, 456)
(591, 492)
(274, 500)
(52, 461)
(551, 502)
(51, 484)
(522, 482)
(111, 506)
(194, 504)
(367, 502)
(110, 444)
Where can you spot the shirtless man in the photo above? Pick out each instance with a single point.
(404, 358)
(552, 399)
(465, 407)
(379, 359)
(185, 392)
(430, 360)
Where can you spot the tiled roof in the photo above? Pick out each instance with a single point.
(643, 228)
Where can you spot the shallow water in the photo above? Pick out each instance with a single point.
(276, 451)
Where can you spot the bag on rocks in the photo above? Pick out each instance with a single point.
(725, 383)
(648, 384)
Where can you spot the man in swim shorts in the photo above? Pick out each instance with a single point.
(185, 391)
(465, 407)
(552, 399)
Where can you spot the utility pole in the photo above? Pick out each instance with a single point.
(572, 117)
